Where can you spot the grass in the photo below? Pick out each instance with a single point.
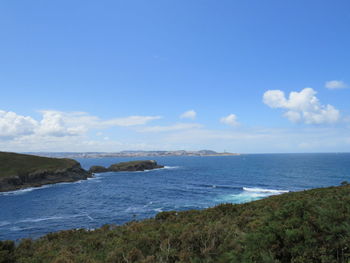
(12, 164)
(125, 165)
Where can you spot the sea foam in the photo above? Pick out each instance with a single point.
(262, 190)
(250, 194)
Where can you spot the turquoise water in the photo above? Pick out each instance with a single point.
(185, 183)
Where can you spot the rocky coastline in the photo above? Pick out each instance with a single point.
(20, 171)
(43, 177)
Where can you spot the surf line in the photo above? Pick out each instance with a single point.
(87, 215)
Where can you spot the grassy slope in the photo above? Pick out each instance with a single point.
(309, 226)
(16, 164)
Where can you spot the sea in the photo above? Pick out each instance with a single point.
(186, 182)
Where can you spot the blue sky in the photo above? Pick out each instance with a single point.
(118, 75)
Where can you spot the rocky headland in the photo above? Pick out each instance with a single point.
(127, 167)
(19, 171)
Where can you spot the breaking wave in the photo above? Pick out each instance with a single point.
(249, 194)
(262, 190)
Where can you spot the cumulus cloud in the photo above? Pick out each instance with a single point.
(191, 114)
(302, 106)
(12, 124)
(60, 124)
(336, 84)
(175, 127)
(230, 119)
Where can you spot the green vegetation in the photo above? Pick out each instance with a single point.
(13, 164)
(135, 165)
(127, 166)
(300, 227)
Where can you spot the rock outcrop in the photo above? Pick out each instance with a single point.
(19, 171)
(43, 177)
(98, 169)
(127, 167)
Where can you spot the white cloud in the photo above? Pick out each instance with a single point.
(293, 116)
(230, 119)
(12, 124)
(79, 131)
(262, 140)
(302, 106)
(191, 114)
(60, 124)
(188, 136)
(131, 121)
(175, 127)
(336, 84)
(72, 123)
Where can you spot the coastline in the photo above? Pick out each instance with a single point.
(256, 222)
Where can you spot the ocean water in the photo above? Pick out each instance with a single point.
(185, 183)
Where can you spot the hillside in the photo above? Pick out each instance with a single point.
(15, 164)
(308, 226)
(21, 170)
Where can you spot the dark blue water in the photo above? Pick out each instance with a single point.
(186, 183)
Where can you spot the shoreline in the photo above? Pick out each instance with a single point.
(269, 222)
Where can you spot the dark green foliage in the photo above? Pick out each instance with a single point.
(127, 166)
(7, 249)
(134, 166)
(12, 164)
(302, 227)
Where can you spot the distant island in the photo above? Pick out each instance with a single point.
(127, 166)
(133, 154)
(19, 171)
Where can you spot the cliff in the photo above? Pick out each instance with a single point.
(18, 171)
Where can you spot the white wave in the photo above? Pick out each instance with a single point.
(4, 223)
(88, 216)
(156, 169)
(136, 209)
(250, 194)
(23, 191)
(15, 228)
(171, 167)
(158, 210)
(242, 197)
(262, 190)
(34, 220)
(96, 180)
(40, 219)
(30, 189)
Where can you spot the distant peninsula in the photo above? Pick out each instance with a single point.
(18, 171)
(134, 154)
